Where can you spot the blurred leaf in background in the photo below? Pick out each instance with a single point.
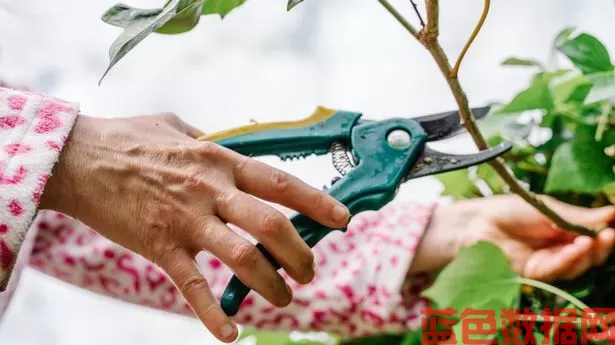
(175, 17)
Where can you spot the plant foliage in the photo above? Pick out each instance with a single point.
(564, 150)
(562, 127)
(175, 17)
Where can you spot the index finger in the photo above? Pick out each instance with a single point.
(269, 183)
(186, 276)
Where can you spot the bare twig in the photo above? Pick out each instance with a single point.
(433, 16)
(472, 37)
(400, 18)
(429, 38)
(418, 13)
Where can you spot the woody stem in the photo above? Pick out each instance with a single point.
(429, 39)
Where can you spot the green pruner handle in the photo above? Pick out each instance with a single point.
(291, 139)
(372, 184)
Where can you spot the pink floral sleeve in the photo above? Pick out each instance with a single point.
(361, 286)
(33, 130)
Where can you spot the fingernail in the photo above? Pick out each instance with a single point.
(289, 296)
(312, 273)
(583, 241)
(340, 213)
(227, 331)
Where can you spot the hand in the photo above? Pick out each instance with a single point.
(148, 185)
(535, 249)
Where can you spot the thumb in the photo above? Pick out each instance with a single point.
(589, 217)
(599, 217)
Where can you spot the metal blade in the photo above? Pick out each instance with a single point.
(432, 162)
(443, 125)
(448, 124)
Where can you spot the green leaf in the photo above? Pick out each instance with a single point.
(587, 53)
(609, 191)
(515, 61)
(603, 87)
(137, 31)
(122, 15)
(380, 340)
(292, 4)
(536, 96)
(221, 7)
(187, 17)
(540, 338)
(573, 89)
(480, 277)
(486, 173)
(275, 338)
(580, 165)
(265, 338)
(562, 36)
(457, 184)
(413, 338)
(505, 125)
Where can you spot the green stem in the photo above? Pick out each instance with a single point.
(429, 39)
(479, 26)
(400, 18)
(603, 121)
(556, 291)
(570, 298)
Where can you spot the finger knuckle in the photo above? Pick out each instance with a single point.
(193, 179)
(243, 166)
(157, 243)
(193, 284)
(245, 255)
(273, 224)
(279, 181)
(208, 149)
(227, 199)
(178, 154)
(320, 199)
(170, 118)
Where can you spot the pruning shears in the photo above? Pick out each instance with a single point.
(373, 158)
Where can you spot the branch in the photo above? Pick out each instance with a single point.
(472, 37)
(433, 17)
(400, 18)
(430, 40)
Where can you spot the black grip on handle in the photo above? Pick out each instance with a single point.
(236, 291)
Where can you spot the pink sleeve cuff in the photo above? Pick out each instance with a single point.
(33, 130)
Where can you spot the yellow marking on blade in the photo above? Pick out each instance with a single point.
(319, 114)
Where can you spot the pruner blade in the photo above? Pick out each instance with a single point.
(432, 162)
(447, 124)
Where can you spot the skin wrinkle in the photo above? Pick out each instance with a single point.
(155, 186)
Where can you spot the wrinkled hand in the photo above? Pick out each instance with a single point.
(148, 185)
(536, 250)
